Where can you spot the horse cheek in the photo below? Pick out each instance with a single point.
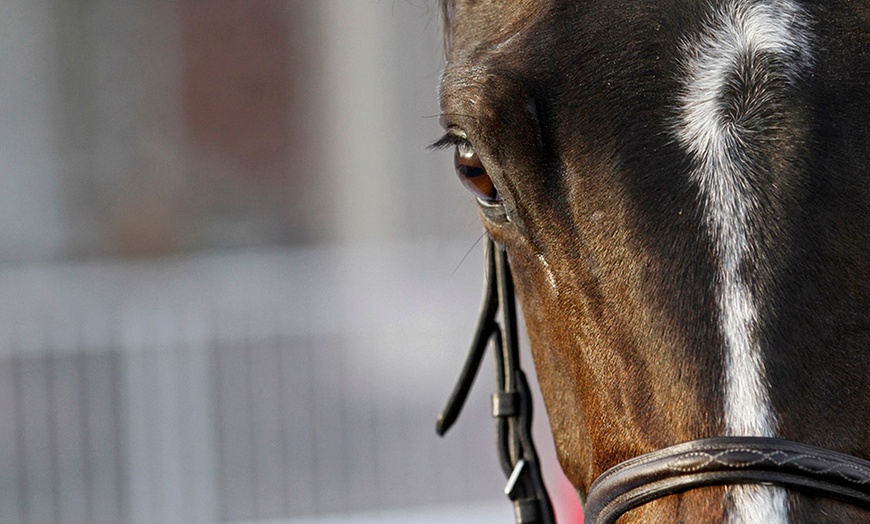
(549, 327)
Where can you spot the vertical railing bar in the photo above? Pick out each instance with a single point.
(248, 344)
(215, 347)
(119, 401)
(151, 355)
(343, 410)
(81, 361)
(166, 369)
(174, 355)
(184, 385)
(311, 411)
(299, 441)
(20, 448)
(53, 442)
(282, 416)
(316, 409)
(11, 459)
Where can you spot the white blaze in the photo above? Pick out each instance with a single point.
(723, 172)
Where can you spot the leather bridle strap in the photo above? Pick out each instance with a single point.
(512, 402)
(727, 460)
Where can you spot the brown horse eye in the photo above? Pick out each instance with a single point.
(473, 175)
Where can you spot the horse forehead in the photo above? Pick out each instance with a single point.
(491, 57)
(477, 24)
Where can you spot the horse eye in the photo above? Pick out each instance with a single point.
(473, 175)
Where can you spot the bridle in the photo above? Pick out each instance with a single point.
(675, 469)
(512, 402)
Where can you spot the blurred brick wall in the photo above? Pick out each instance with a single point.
(249, 71)
(237, 86)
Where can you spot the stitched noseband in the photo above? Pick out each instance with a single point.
(727, 460)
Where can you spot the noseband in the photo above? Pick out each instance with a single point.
(675, 469)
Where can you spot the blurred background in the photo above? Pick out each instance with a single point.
(234, 284)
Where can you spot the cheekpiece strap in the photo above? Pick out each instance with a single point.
(511, 403)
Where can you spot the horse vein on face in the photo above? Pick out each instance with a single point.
(713, 128)
(551, 279)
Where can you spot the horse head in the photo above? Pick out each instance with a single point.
(682, 189)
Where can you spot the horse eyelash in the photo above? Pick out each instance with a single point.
(450, 140)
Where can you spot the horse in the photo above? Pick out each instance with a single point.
(681, 190)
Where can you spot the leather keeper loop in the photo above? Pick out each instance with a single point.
(505, 404)
(526, 511)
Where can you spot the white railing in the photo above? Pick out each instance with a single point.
(239, 387)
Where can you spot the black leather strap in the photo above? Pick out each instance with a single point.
(727, 460)
(512, 402)
(486, 326)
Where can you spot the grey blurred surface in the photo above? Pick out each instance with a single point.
(252, 385)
